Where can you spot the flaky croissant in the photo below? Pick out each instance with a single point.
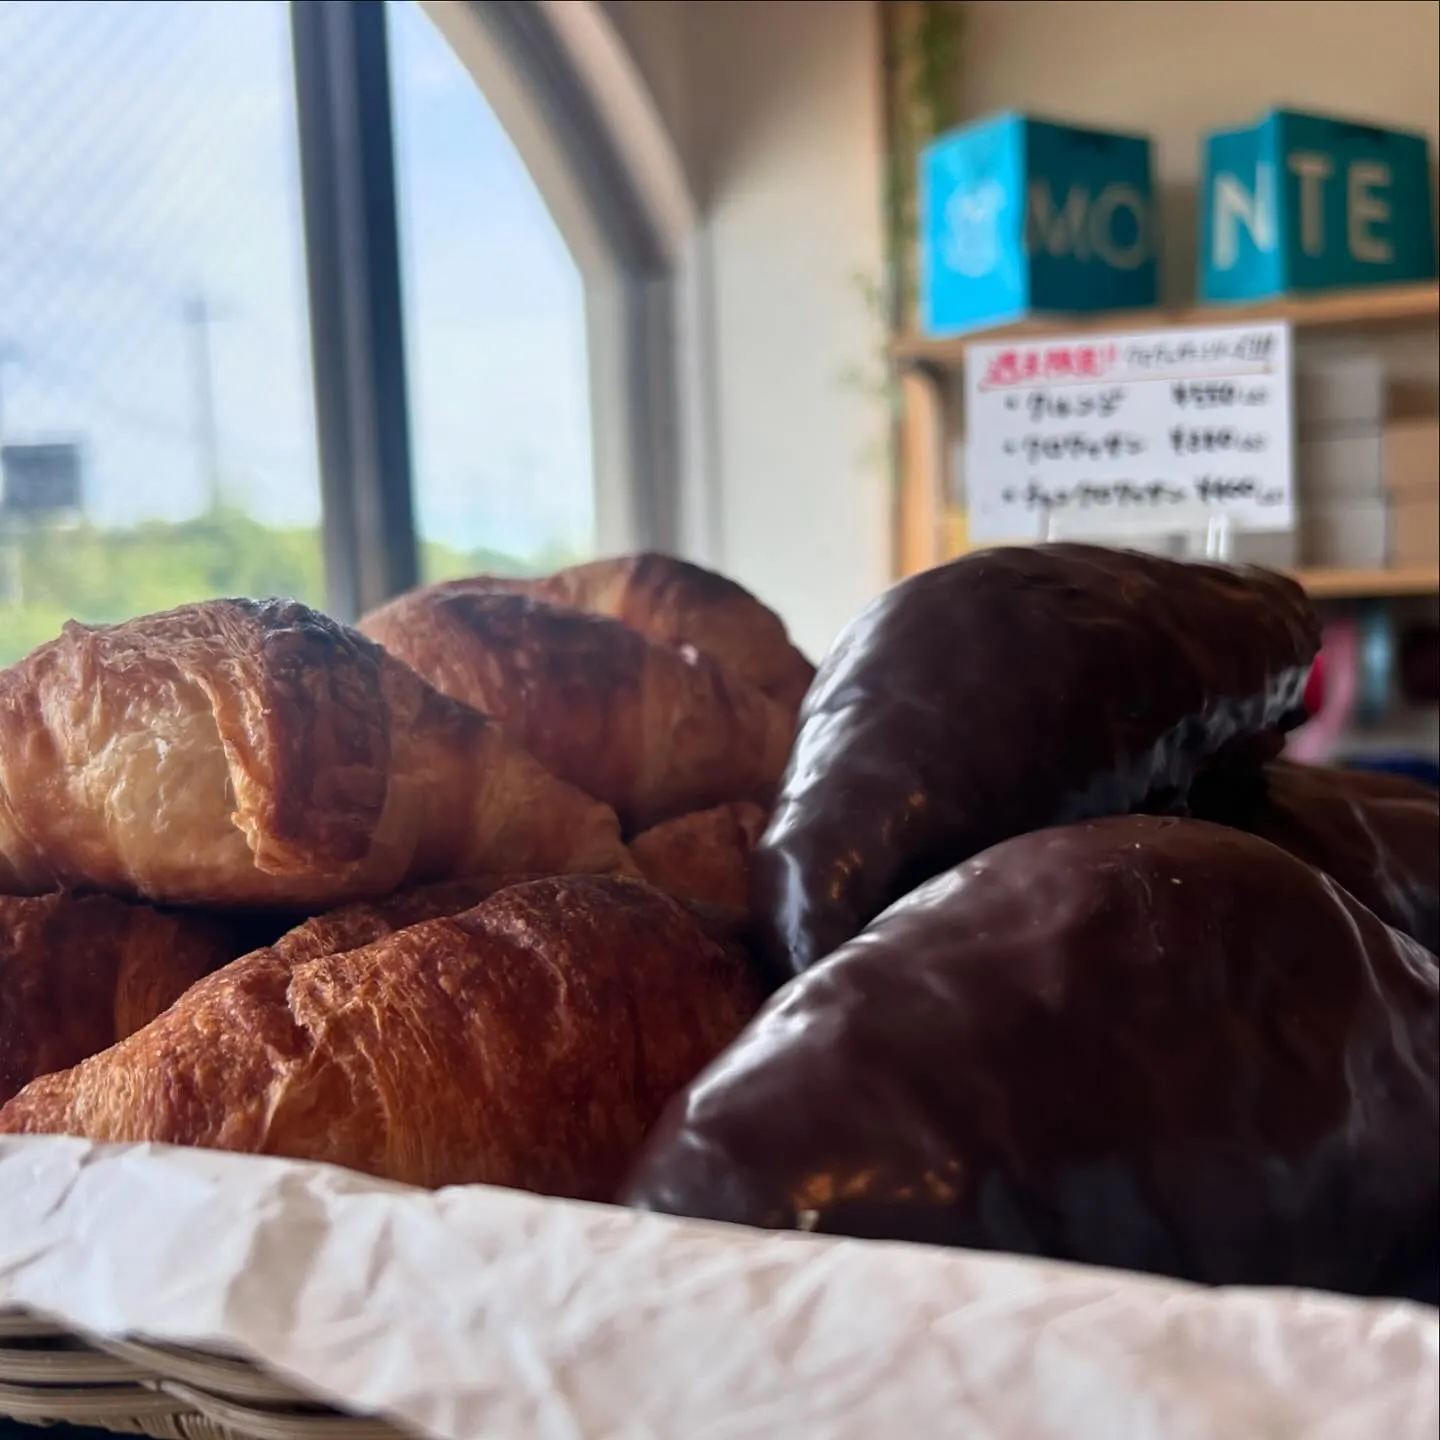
(650, 730)
(680, 605)
(78, 973)
(703, 856)
(353, 926)
(531, 1042)
(242, 752)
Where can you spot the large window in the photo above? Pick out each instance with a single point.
(155, 389)
(494, 325)
(186, 192)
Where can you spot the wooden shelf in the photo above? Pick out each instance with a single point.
(1366, 584)
(1319, 584)
(1382, 307)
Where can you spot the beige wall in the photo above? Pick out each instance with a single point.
(1177, 68)
(774, 108)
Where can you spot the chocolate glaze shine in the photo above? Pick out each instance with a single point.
(1011, 690)
(1377, 835)
(1143, 1042)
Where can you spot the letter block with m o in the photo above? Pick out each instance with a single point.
(1022, 217)
(1298, 203)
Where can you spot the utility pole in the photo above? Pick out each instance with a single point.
(9, 355)
(202, 381)
(12, 580)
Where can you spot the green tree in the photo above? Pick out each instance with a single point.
(99, 575)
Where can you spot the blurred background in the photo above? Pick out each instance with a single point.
(327, 296)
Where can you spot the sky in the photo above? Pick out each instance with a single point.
(148, 155)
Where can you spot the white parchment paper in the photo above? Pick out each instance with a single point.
(479, 1312)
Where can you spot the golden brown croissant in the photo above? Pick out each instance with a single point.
(650, 730)
(531, 1041)
(704, 856)
(354, 926)
(678, 604)
(78, 973)
(241, 752)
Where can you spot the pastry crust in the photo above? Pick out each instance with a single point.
(251, 753)
(703, 856)
(649, 730)
(354, 926)
(1156, 1044)
(1008, 691)
(531, 1042)
(78, 973)
(677, 604)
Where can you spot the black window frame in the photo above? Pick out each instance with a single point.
(345, 123)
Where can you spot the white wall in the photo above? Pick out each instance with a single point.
(774, 109)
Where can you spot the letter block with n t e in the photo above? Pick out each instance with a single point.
(1300, 203)
(1021, 216)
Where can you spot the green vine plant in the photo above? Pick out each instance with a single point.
(922, 64)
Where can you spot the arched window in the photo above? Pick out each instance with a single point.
(322, 298)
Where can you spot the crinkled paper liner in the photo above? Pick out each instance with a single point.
(481, 1312)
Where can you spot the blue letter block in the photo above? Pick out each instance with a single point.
(1020, 216)
(1301, 203)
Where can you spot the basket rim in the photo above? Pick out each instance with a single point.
(220, 1375)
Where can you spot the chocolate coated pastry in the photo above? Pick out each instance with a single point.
(1144, 1042)
(1011, 690)
(1377, 835)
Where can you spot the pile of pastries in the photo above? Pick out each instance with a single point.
(1011, 928)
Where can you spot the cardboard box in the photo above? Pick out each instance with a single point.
(1340, 395)
(1412, 459)
(1275, 549)
(1345, 535)
(1415, 532)
(1345, 469)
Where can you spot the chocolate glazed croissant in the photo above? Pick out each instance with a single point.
(677, 604)
(1377, 835)
(530, 1042)
(257, 753)
(1011, 690)
(1150, 1043)
(647, 729)
(78, 973)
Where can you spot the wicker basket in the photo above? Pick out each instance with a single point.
(49, 1376)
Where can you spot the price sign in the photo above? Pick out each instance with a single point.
(39, 479)
(1128, 435)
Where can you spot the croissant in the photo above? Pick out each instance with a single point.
(1152, 1043)
(1376, 835)
(681, 605)
(649, 730)
(353, 926)
(1007, 691)
(78, 973)
(704, 856)
(256, 753)
(528, 1042)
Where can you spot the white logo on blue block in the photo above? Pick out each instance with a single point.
(971, 241)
